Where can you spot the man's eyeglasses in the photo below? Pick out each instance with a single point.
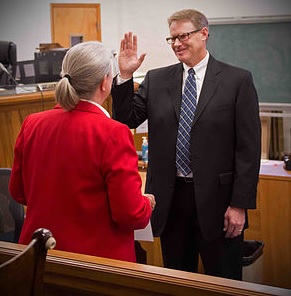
(181, 37)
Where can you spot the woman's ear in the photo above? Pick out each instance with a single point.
(106, 83)
(103, 83)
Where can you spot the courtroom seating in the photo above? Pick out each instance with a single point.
(8, 58)
(24, 273)
(11, 213)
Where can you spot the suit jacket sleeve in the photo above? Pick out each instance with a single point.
(128, 107)
(248, 146)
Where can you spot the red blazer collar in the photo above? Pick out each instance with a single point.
(84, 106)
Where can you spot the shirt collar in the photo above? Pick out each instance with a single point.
(200, 68)
(99, 106)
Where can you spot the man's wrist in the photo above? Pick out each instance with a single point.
(120, 80)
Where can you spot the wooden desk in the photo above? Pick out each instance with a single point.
(13, 109)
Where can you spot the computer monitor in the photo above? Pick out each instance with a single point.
(48, 65)
(25, 72)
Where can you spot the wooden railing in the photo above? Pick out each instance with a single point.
(75, 274)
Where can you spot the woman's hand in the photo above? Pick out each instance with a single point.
(152, 200)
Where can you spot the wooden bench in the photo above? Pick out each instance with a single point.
(75, 274)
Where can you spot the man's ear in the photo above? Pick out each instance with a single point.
(205, 33)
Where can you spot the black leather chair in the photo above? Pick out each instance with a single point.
(8, 58)
(23, 274)
(11, 212)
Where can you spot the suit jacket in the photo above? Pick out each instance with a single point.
(224, 142)
(77, 173)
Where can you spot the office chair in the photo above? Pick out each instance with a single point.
(24, 274)
(11, 212)
(9, 60)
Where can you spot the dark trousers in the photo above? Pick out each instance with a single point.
(182, 241)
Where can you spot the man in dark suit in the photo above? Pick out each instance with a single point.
(203, 212)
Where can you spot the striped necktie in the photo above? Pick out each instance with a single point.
(188, 108)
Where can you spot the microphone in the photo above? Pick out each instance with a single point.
(2, 67)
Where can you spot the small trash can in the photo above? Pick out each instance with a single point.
(253, 261)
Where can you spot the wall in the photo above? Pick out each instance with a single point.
(262, 48)
(27, 22)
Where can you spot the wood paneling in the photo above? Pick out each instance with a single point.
(13, 110)
(270, 223)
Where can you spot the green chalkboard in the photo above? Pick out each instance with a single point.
(262, 48)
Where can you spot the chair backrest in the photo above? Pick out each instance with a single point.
(11, 212)
(8, 58)
(24, 273)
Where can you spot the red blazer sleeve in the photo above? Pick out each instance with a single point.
(129, 208)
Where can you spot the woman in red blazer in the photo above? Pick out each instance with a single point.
(76, 169)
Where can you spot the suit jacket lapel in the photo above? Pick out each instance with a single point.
(174, 81)
(209, 86)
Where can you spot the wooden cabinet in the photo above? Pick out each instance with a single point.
(271, 221)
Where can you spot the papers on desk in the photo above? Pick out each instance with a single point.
(271, 162)
(272, 168)
(25, 88)
(145, 234)
(143, 128)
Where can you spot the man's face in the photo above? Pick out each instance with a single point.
(193, 49)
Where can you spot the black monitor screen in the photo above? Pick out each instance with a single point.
(48, 65)
(43, 68)
(25, 73)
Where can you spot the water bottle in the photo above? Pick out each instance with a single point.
(144, 150)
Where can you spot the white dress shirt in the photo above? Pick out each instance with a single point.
(200, 70)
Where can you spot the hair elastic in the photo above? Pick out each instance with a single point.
(68, 77)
